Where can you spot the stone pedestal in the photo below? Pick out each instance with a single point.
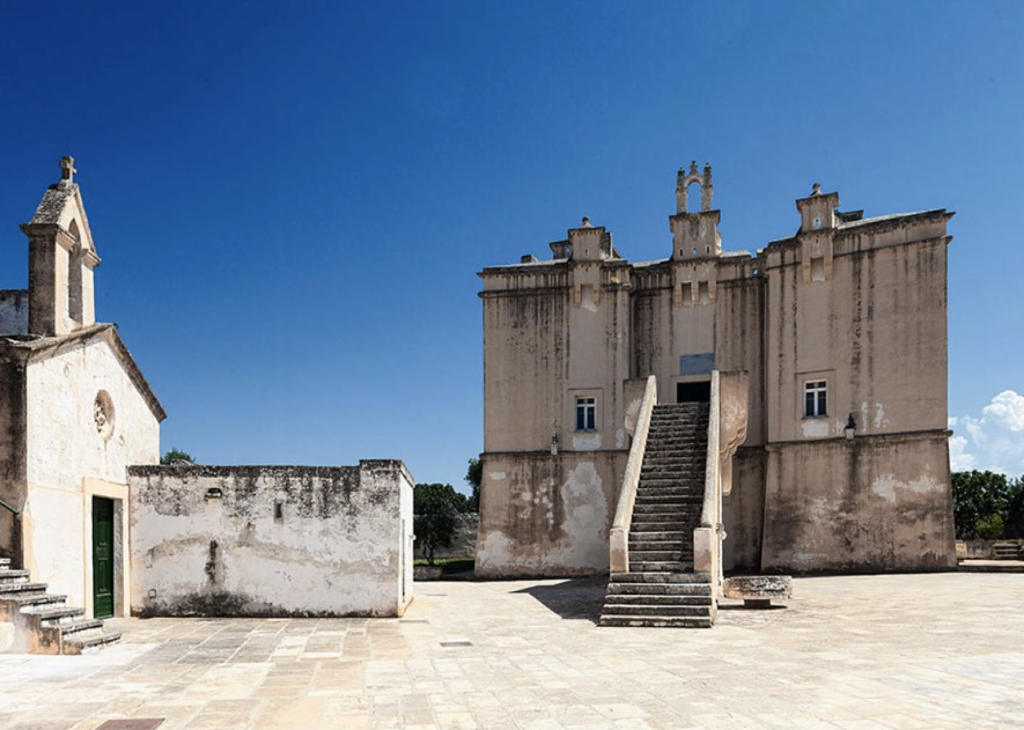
(757, 591)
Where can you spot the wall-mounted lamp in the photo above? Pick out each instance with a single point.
(214, 493)
(851, 427)
(554, 445)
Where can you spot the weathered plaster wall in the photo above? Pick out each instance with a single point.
(868, 504)
(743, 512)
(66, 449)
(278, 541)
(699, 307)
(544, 515)
(553, 332)
(873, 325)
(14, 311)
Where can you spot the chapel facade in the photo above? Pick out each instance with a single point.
(840, 331)
(75, 412)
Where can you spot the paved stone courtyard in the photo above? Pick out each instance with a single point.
(894, 652)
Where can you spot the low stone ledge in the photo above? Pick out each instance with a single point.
(758, 591)
(426, 572)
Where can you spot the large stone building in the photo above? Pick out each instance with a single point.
(840, 330)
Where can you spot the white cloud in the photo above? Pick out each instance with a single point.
(959, 459)
(1006, 408)
(994, 440)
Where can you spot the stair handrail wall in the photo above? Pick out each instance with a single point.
(706, 539)
(618, 536)
(727, 429)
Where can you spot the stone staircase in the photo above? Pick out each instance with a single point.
(1008, 551)
(43, 623)
(661, 588)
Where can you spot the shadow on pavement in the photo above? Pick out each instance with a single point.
(572, 598)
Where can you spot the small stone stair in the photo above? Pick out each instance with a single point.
(1008, 551)
(661, 588)
(43, 622)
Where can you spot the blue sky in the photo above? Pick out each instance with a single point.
(292, 200)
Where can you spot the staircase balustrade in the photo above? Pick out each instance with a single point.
(619, 535)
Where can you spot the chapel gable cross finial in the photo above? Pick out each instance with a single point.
(67, 169)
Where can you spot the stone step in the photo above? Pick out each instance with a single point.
(658, 535)
(661, 552)
(1006, 551)
(82, 629)
(668, 495)
(673, 462)
(659, 566)
(664, 443)
(676, 510)
(658, 589)
(692, 477)
(638, 557)
(685, 527)
(9, 588)
(689, 577)
(54, 615)
(89, 644)
(34, 599)
(675, 481)
(667, 622)
(12, 576)
(689, 491)
(681, 521)
(659, 599)
(620, 609)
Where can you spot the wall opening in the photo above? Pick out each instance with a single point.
(693, 201)
(75, 275)
(693, 392)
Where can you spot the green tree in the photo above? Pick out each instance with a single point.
(435, 516)
(474, 476)
(175, 455)
(987, 505)
(1014, 526)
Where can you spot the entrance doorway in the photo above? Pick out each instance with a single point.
(693, 392)
(102, 557)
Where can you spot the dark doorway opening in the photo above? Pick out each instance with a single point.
(102, 557)
(693, 392)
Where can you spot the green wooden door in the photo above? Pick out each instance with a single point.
(102, 557)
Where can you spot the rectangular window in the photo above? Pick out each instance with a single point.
(586, 414)
(815, 398)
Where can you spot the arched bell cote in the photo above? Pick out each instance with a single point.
(61, 260)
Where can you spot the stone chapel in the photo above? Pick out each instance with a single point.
(75, 412)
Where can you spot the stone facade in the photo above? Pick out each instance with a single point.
(271, 540)
(75, 410)
(77, 417)
(841, 329)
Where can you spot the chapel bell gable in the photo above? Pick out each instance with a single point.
(61, 259)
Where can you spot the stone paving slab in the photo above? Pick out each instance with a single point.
(895, 652)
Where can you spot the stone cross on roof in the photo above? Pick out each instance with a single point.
(67, 169)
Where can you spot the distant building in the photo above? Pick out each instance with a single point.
(841, 330)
